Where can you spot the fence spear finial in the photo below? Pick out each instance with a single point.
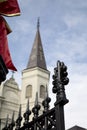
(27, 105)
(19, 114)
(6, 124)
(7, 121)
(26, 114)
(12, 117)
(36, 99)
(19, 119)
(38, 23)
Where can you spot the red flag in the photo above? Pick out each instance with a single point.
(4, 49)
(9, 8)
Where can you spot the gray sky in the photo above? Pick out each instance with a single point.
(63, 28)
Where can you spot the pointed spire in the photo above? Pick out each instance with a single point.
(37, 58)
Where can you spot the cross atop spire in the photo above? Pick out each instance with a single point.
(38, 23)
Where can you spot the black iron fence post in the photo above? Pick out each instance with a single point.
(45, 104)
(60, 79)
(60, 123)
(35, 111)
(26, 116)
(18, 120)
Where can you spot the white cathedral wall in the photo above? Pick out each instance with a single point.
(34, 77)
(9, 101)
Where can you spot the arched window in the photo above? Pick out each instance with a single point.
(42, 91)
(29, 91)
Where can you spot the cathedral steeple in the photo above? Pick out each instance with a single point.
(37, 58)
(35, 76)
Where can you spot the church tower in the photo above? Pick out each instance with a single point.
(35, 78)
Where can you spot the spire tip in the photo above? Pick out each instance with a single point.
(38, 23)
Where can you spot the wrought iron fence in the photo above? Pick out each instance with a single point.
(51, 119)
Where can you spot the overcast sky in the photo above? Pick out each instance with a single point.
(63, 28)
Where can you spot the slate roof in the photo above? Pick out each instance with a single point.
(37, 58)
(77, 128)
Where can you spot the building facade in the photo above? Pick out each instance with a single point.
(35, 79)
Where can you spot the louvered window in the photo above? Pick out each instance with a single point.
(42, 91)
(29, 91)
